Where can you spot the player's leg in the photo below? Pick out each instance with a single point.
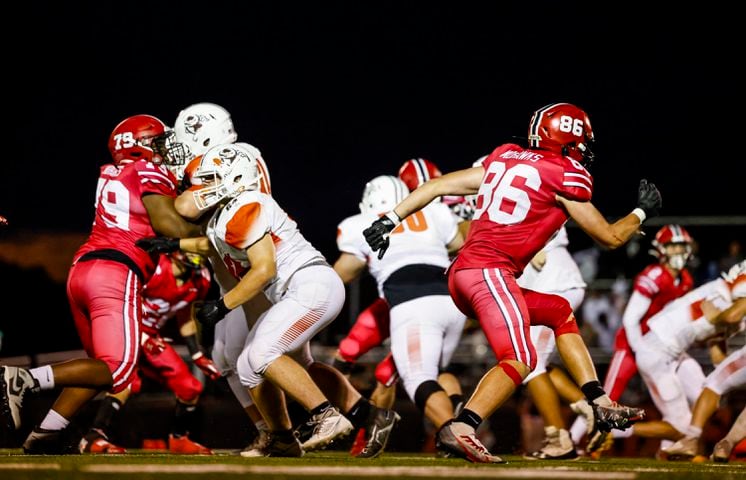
(370, 329)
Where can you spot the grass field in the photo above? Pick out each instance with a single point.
(338, 465)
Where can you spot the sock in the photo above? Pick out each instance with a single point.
(44, 376)
(578, 429)
(183, 418)
(470, 418)
(664, 443)
(106, 411)
(359, 412)
(692, 431)
(321, 408)
(261, 425)
(54, 421)
(593, 390)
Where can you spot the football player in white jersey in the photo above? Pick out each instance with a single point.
(728, 375)
(199, 127)
(552, 270)
(425, 323)
(673, 378)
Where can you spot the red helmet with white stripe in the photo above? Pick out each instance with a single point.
(673, 245)
(416, 171)
(562, 128)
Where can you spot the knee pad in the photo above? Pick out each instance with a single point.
(423, 392)
(386, 372)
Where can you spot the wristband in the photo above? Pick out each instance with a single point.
(392, 215)
(639, 213)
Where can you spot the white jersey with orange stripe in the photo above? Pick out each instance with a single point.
(420, 239)
(682, 322)
(244, 221)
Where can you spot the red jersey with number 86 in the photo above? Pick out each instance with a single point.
(516, 210)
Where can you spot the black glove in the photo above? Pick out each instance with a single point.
(158, 244)
(649, 198)
(211, 312)
(377, 235)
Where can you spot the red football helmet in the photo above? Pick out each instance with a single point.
(416, 171)
(562, 128)
(666, 243)
(144, 137)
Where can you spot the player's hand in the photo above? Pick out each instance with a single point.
(207, 366)
(158, 244)
(649, 198)
(3, 221)
(377, 235)
(211, 312)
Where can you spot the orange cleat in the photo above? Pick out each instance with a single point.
(182, 444)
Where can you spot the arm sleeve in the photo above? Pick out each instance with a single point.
(637, 305)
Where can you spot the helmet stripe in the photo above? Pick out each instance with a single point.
(421, 169)
(534, 127)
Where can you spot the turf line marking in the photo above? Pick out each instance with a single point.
(30, 466)
(425, 471)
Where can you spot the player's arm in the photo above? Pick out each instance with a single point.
(166, 220)
(349, 267)
(188, 330)
(588, 218)
(718, 351)
(186, 206)
(636, 308)
(732, 315)
(539, 260)
(614, 235)
(199, 245)
(263, 269)
(461, 182)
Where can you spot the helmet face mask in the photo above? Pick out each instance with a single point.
(562, 128)
(225, 171)
(382, 194)
(673, 246)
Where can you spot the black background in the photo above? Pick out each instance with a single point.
(335, 93)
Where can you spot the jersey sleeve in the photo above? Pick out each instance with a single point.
(247, 225)
(350, 238)
(738, 287)
(576, 183)
(154, 179)
(648, 281)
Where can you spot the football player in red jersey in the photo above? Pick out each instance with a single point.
(134, 199)
(653, 288)
(524, 195)
(179, 280)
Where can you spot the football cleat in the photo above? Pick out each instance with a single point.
(184, 445)
(684, 449)
(721, 452)
(258, 447)
(615, 416)
(557, 446)
(95, 442)
(15, 382)
(283, 444)
(359, 443)
(329, 425)
(379, 432)
(461, 440)
(45, 442)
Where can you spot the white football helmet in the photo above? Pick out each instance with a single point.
(202, 126)
(225, 171)
(382, 194)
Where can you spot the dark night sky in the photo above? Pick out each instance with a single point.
(336, 93)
